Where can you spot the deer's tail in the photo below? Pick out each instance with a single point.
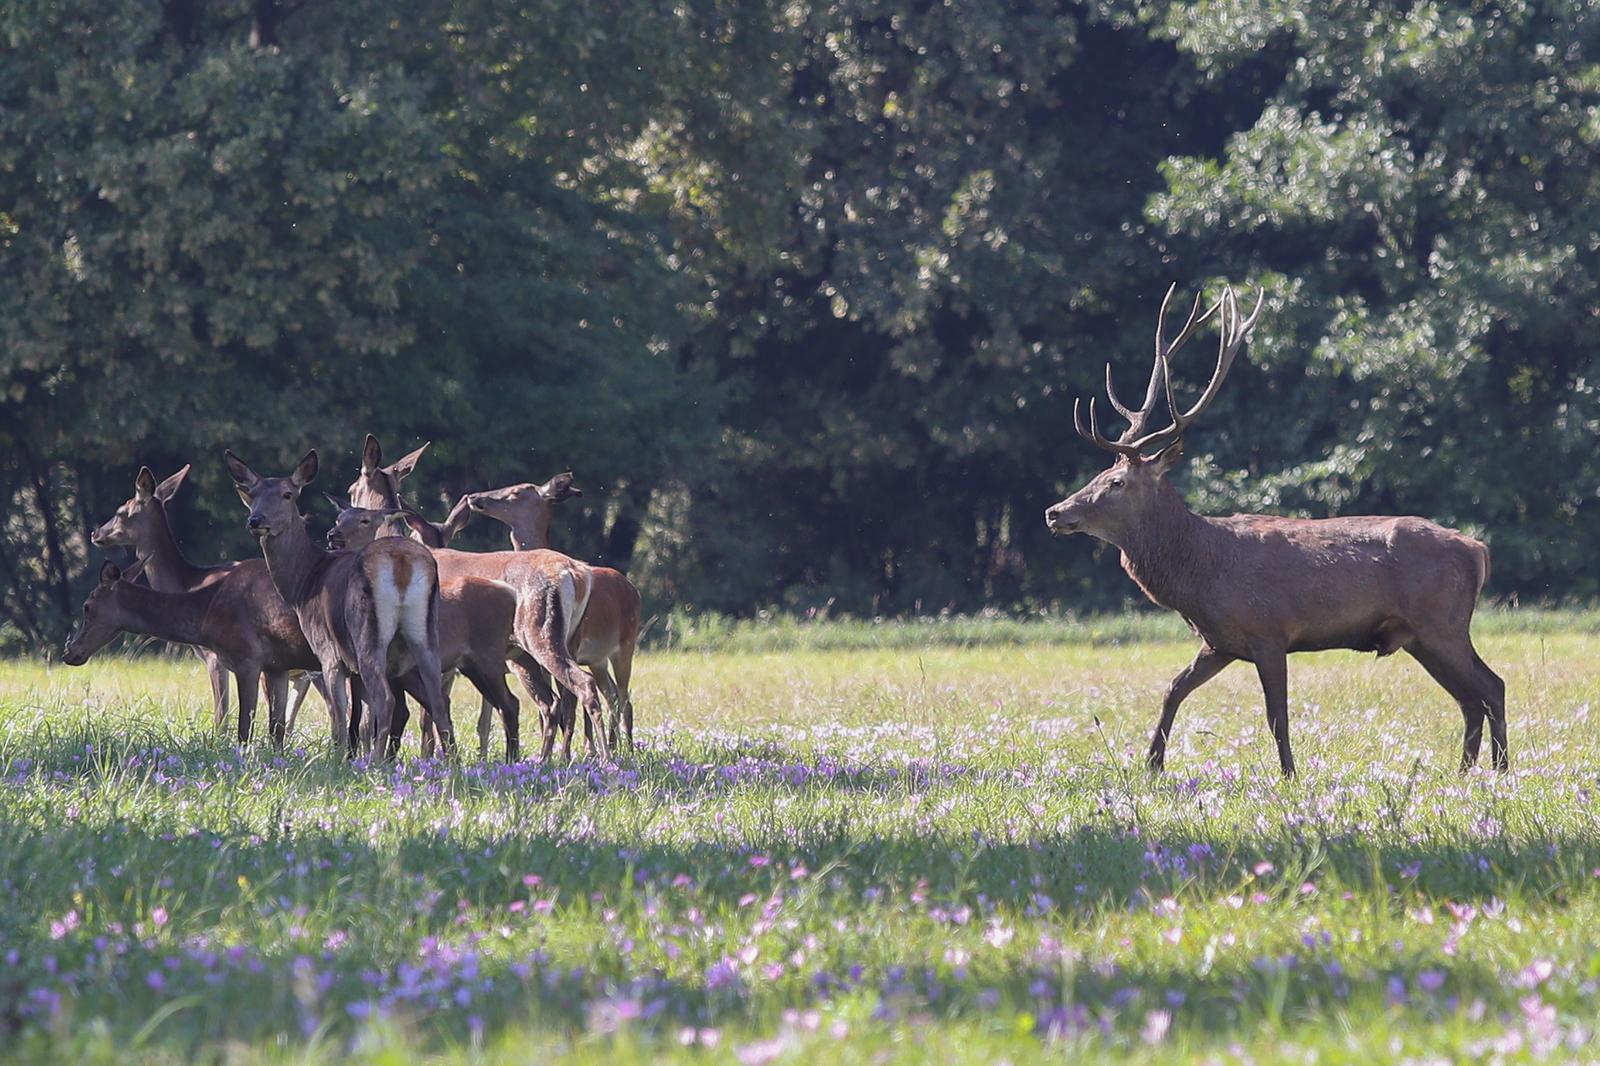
(1483, 563)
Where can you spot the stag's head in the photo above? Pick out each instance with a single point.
(526, 506)
(273, 501)
(139, 518)
(102, 614)
(378, 485)
(1116, 500)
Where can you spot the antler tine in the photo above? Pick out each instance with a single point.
(1230, 339)
(1092, 434)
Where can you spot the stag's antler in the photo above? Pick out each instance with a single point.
(1135, 439)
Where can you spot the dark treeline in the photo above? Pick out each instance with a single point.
(801, 291)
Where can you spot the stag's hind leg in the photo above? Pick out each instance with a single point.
(1207, 664)
(1476, 688)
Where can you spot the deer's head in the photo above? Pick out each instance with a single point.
(1115, 502)
(378, 485)
(356, 527)
(526, 507)
(273, 501)
(142, 515)
(102, 613)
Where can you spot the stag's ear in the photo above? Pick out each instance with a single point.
(240, 471)
(305, 472)
(559, 488)
(110, 574)
(403, 466)
(371, 455)
(144, 485)
(1167, 458)
(169, 488)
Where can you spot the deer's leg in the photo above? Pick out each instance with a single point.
(1479, 692)
(277, 696)
(536, 683)
(1494, 690)
(338, 694)
(1207, 664)
(297, 695)
(601, 672)
(249, 680)
(430, 728)
(622, 667)
(486, 710)
(490, 680)
(360, 720)
(217, 674)
(422, 636)
(1273, 670)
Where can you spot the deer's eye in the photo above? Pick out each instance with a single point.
(1117, 483)
(288, 495)
(366, 521)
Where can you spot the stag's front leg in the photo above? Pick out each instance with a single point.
(1273, 670)
(1207, 664)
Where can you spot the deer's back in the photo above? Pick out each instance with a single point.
(1363, 582)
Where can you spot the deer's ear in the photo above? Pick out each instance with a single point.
(169, 488)
(305, 472)
(144, 485)
(371, 455)
(403, 466)
(339, 505)
(458, 518)
(559, 488)
(134, 570)
(240, 471)
(1167, 458)
(110, 574)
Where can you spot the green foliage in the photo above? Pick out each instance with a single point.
(802, 292)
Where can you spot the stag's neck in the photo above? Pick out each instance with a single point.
(294, 560)
(178, 617)
(528, 536)
(1172, 554)
(165, 566)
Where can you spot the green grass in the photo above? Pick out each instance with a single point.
(902, 854)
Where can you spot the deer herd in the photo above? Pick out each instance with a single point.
(388, 610)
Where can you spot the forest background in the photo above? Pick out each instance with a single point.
(802, 292)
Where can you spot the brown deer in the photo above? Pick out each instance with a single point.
(251, 631)
(527, 508)
(608, 635)
(1258, 587)
(476, 618)
(553, 591)
(371, 613)
(201, 618)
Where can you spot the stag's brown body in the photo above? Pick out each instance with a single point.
(1259, 587)
(249, 631)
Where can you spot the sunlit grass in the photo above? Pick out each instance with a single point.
(928, 853)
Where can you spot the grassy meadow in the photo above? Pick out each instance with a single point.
(935, 847)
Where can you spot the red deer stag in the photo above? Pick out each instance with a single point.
(608, 635)
(476, 618)
(1258, 587)
(371, 614)
(250, 630)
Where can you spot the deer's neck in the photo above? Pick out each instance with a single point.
(293, 561)
(527, 536)
(178, 617)
(1172, 554)
(166, 567)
